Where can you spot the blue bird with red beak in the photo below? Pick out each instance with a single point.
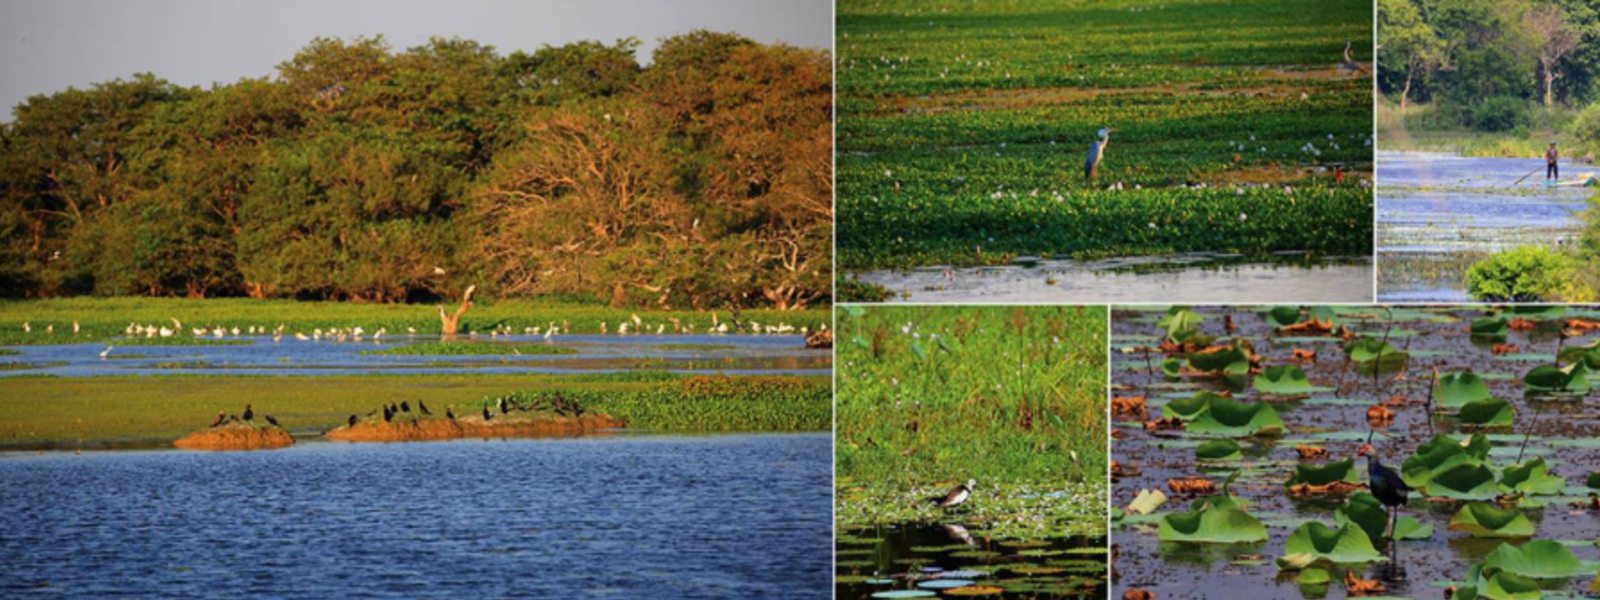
(1385, 484)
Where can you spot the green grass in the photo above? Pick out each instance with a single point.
(105, 319)
(963, 126)
(1416, 130)
(66, 412)
(468, 348)
(1012, 397)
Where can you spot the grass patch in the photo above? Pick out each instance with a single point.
(40, 412)
(964, 126)
(103, 319)
(460, 348)
(1013, 397)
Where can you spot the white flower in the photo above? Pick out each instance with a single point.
(1243, 218)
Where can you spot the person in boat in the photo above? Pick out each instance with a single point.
(1552, 171)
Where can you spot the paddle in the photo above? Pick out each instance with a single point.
(1530, 174)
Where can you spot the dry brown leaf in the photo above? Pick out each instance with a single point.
(1503, 348)
(1312, 326)
(1583, 324)
(1167, 424)
(1129, 407)
(1192, 486)
(1303, 355)
(1333, 488)
(1361, 587)
(1523, 325)
(1379, 415)
(1138, 594)
(1310, 452)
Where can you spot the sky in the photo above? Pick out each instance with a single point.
(49, 45)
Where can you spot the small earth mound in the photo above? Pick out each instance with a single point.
(236, 436)
(434, 428)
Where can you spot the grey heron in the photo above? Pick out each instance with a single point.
(1097, 150)
(1350, 64)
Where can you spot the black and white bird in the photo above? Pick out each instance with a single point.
(1097, 150)
(486, 415)
(957, 495)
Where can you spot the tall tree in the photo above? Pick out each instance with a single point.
(1409, 44)
(1557, 40)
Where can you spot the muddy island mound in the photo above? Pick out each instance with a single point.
(501, 426)
(236, 436)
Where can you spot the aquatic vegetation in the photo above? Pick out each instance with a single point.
(962, 131)
(1216, 520)
(1488, 454)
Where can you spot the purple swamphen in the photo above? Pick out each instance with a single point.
(1385, 484)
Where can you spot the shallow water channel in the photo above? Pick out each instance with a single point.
(910, 560)
(604, 517)
(259, 355)
(1436, 212)
(1177, 278)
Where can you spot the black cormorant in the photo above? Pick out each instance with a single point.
(248, 414)
(405, 406)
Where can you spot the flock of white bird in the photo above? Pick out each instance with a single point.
(634, 325)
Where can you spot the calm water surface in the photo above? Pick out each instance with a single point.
(606, 517)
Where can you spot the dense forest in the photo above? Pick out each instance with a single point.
(365, 174)
(1485, 64)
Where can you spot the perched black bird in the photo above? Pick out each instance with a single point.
(352, 420)
(486, 415)
(394, 409)
(449, 413)
(388, 415)
(405, 406)
(222, 415)
(956, 496)
(1385, 484)
(273, 421)
(249, 414)
(503, 406)
(424, 408)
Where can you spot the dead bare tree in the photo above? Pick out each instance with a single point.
(449, 322)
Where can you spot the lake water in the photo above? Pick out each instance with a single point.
(1435, 208)
(259, 355)
(605, 517)
(1181, 278)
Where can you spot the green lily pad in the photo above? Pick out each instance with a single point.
(1440, 454)
(1218, 360)
(1569, 379)
(1494, 327)
(1539, 559)
(1367, 512)
(1454, 390)
(1218, 450)
(1189, 408)
(1473, 481)
(1324, 474)
(1284, 380)
(1228, 418)
(1531, 477)
(1212, 524)
(1481, 519)
(1492, 412)
(1314, 576)
(1344, 545)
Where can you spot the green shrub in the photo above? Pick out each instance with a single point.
(1500, 113)
(1525, 274)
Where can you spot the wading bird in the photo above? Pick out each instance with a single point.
(388, 415)
(1097, 150)
(957, 495)
(105, 353)
(424, 408)
(1385, 484)
(1350, 64)
(352, 420)
(249, 414)
(486, 415)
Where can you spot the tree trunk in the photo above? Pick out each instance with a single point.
(449, 322)
(1549, 82)
(1404, 93)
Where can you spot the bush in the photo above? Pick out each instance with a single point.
(1586, 127)
(1525, 274)
(1500, 113)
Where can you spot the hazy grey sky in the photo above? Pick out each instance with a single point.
(50, 45)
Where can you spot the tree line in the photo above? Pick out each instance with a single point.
(362, 173)
(1483, 62)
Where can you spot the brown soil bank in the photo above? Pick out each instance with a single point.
(236, 436)
(472, 427)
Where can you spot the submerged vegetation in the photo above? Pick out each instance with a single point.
(962, 130)
(1478, 411)
(358, 172)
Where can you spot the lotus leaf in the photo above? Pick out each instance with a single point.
(1218, 450)
(1494, 327)
(1189, 408)
(1324, 474)
(1455, 390)
(1218, 359)
(1493, 412)
(1548, 378)
(1441, 454)
(1531, 477)
(1469, 481)
(1482, 519)
(1539, 559)
(1342, 545)
(1366, 511)
(1228, 418)
(1212, 523)
(1284, 380)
